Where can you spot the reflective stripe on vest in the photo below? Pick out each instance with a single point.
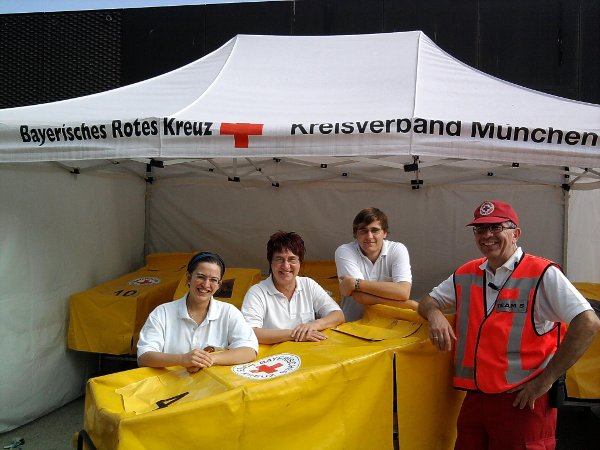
(497, 352)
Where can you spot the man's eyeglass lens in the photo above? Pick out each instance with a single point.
(494, 229)
(374, 231)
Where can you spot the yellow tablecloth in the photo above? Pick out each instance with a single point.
(107, 318)
(583, 378)
(340, 396)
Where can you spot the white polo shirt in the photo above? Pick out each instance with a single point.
(557, 299)
(170, 329)
(392, 264)
(265, 307)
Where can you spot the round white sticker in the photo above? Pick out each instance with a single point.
(486, 208)
(269, 367)
(144, 281)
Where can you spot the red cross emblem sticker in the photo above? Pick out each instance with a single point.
(266, 368)
(269, 367)
(144, 280)
(241, 132)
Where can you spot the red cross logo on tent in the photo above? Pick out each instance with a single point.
(241, 131)
(266, 368)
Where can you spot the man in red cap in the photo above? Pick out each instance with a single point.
(508, 344)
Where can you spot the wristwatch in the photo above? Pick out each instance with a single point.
(357, 284)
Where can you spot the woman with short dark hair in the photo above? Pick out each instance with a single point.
(286, 307)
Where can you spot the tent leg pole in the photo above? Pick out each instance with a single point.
(146, 217)
(566, 197)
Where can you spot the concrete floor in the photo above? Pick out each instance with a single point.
(578, 428)
(52, 432)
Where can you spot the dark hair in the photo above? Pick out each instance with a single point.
(203, 257)
(282, 240)
(367, 216)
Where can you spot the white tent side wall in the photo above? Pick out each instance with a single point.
(583, 250)
(236, 220)
(59, 234)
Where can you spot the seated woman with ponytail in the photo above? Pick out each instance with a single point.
(197, 331)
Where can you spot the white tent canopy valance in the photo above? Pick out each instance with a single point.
(393, 94)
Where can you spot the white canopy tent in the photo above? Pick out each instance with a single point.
(272, 133)
(385, 94)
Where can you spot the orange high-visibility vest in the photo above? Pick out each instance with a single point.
(497, 352)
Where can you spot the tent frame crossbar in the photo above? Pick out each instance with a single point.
(319, 171)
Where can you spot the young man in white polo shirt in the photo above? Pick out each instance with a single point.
(371, 269)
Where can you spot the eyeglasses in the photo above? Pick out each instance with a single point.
(211, 280)
(281, 260)
(374, 231)
(494, 229)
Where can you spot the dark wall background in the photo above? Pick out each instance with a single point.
(548, 45)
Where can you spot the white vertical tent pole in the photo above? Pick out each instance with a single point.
(566, 197)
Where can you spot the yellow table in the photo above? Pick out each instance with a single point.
(107, 318)
(583, 378)
(337, 393)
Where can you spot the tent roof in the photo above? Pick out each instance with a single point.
(387, 96)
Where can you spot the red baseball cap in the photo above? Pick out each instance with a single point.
(491, 211)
